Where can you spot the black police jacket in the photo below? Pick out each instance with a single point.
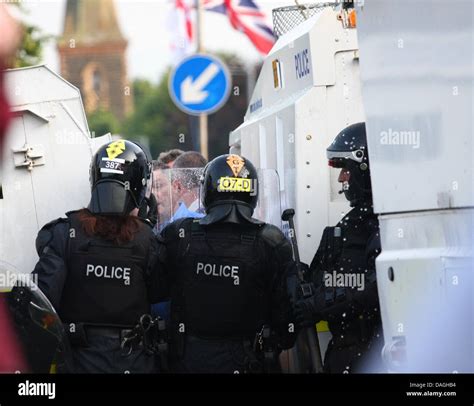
(93, 281)
(343, 271)
(227, 280)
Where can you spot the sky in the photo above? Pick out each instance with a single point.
(143, 23)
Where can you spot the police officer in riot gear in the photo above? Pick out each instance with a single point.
(98, 265)
(226, 275)
(343, 269)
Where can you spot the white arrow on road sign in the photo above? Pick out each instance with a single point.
(200, 84)
(192, 91)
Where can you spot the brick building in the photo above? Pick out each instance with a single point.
(92, 56)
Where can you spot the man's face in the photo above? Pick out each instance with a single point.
(184, 187)
(344, 176)
(162, 191)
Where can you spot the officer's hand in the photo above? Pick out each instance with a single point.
(149, 210)
(152, 215)
(306, 312)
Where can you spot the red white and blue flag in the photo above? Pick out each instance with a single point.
(181, 26)
(245, 16)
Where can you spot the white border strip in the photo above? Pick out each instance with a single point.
(106, 170)
(119, 160)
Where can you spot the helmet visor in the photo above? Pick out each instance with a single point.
(177, 194)
(110, 197)
(337, 156)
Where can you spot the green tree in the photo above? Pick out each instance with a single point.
(33, 40)
(142, 89)
(157, 118)
(231, 115)
(102, 122)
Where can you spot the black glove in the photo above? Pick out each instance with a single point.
(305, 271)
(149, 210)
(152, 210)
(308, 311)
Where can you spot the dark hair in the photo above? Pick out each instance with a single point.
(190, 159)
(159, 165)
(169, 156)
(118, 229)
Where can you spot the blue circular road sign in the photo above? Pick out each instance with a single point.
(200, 84)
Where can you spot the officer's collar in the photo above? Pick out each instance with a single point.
(229, 212)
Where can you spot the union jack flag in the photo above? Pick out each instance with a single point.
(245, 16)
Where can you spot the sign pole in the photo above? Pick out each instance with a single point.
(203, 134)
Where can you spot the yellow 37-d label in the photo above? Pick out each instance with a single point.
(228, 184)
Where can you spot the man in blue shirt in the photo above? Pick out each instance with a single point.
(178, 190)
(187, 170)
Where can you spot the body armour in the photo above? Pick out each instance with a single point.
(227, 280)
(106, 282)
(344, 274)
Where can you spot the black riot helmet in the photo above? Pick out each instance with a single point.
(229, 179)
(349, 151)
(120, 175)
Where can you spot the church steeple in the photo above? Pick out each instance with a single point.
(92, 53)
(91, 22)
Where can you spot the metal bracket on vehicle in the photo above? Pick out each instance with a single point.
(29, 156)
